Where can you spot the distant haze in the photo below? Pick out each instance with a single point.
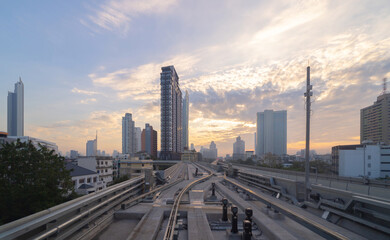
(85, 64)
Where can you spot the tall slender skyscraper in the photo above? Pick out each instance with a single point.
(271, 132)
(137, 131)
(15, 111)
(186, 108)
(171, 111)
(149, 140)
(129, 144)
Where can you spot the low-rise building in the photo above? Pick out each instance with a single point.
(4, 139)
(84, 180)
(369, 161)
(189, 156)
(134, 167)
(101, 165)
(36, 142)
(336, 155)
(249, 154)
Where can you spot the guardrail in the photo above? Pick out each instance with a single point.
(315, 177)
(67, 218)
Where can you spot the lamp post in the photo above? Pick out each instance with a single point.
(307, 94)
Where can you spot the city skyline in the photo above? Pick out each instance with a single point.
(234, 60)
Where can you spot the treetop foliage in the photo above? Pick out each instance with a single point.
(31, 180)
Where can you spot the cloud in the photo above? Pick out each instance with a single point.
(143, 82)
(74, 134)
(254, 65)
(85, 92)
(117, 15)
(295, 15)
(88, 100)
(224, 102)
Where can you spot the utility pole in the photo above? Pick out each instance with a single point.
(307, 94)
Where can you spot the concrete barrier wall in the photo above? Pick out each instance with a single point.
(362, 189)
(338, 185)
(380, 192)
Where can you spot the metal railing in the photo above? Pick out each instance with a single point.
(67, 218)
(314, 176)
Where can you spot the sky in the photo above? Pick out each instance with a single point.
(85, 64)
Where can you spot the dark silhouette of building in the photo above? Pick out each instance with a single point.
(171, 111)
(149, 140)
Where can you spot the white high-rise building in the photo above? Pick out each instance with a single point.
(92, 147)
(271, 132)
(239, 149)
(213, 150)
(186, 109)
(129, 144)
(15, 110)
(138, 139)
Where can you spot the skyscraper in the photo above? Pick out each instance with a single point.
(213, 150)
(149, 140)
(138, 143)
(271, 132)
(239, 149)
(375, 120)
(128, 135)
(209, 153)
(92, 147)
(171, 111)
(15, 110)
(185, 117)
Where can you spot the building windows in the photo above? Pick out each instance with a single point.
(88, 180)
(369, 173)
(369, 157)
(369, 165)
(81, 180)
(94, 179)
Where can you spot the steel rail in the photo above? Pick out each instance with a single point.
(306, 221)
(111, 201)
(124, 205)
(86, 213)
(169, 232)
(27, 224)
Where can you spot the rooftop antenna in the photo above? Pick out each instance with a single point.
(384, 86)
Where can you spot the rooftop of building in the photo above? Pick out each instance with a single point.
(3, 134)
(77, 170)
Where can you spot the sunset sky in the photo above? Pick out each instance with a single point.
(85, 64)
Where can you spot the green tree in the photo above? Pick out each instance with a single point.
(31, 180)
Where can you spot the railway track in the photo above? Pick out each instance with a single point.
(319, 226)
(170, 230)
